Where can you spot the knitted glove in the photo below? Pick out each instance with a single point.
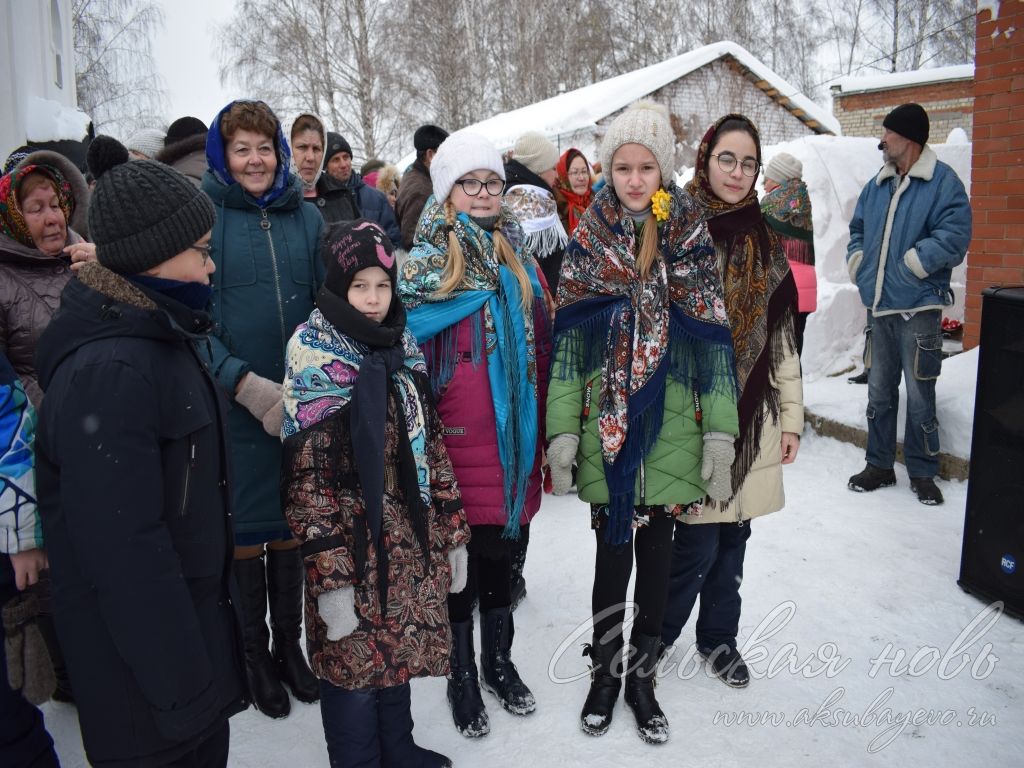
(29, 668)
(716, 468)
(262, 398)
(338, 610)
(458, 559)
(561, 454)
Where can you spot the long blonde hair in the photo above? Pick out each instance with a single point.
(647, 253)
(455, 267)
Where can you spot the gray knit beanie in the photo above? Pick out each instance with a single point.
(141, 213)
(534, 150)
(647, 124)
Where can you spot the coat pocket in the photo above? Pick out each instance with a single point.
(928, 358)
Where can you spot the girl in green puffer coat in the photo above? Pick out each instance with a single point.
(642, 394)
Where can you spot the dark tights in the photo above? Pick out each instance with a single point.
(612, 569)
(490, 573)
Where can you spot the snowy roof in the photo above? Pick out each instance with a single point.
(855, 84)
(49, 120)
(584, 107)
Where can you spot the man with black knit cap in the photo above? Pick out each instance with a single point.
(342, 195)
(132, 479)
(416, 186)
(912, 225)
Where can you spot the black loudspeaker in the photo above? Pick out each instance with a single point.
(992, 561)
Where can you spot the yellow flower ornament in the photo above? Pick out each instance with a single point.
(660, 204)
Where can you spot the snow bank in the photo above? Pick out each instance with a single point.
(49, 120)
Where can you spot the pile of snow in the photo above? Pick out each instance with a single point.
(49, 120)
(836, 168)
(921, 673)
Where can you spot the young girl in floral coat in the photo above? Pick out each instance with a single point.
(381, 528)
(477, 307)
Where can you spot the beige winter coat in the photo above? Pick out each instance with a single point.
(762, 493)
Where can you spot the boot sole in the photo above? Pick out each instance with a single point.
(520, 712)
(861, 489)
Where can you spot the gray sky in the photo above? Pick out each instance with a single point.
(185, 53)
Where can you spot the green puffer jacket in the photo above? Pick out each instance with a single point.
(671, 472)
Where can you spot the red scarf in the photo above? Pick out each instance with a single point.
(577, 204)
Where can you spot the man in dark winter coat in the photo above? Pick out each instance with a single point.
(185, 148)
(132, 463)
(342, 195)
(416, 186)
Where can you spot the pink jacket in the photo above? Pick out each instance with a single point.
(470, 431)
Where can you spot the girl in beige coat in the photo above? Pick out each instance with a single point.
(760, 298)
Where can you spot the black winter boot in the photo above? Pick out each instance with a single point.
(605, 683)
(268, 694)
(727, 665)
(651, 723)
(398, 749)
(464, 697)
(871, 478)
(284, 590)
(500, 675)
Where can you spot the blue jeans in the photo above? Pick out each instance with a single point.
(911, 348)
(707, 560)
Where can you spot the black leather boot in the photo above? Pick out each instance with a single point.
(268, 694)
(651, 723)
(464, 697)
(499, 673)
(605, 683)
(284, 590)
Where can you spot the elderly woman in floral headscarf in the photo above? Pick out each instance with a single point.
(42, 211)
(573, 188)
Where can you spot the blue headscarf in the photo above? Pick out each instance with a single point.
(216, 158)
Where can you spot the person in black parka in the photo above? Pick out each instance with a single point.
(133, 480)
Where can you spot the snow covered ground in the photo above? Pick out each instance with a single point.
(861, 580)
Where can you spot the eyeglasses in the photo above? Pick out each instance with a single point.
(204, 250)
(727, 162)
(472, 187)
(582, 172)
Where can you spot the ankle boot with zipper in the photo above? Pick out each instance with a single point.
(605, 683)
(500, 675)
(284, 591)
(268, 694)
(464, 697)
(651, 723)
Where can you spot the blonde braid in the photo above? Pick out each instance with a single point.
(455, 267)
(648, 251)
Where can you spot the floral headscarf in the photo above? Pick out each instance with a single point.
(12, 222)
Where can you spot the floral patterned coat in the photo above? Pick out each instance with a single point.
(410, 636)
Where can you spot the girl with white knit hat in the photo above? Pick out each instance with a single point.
(642, 396)
(476, 307)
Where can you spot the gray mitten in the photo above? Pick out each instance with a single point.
(337, 608)
(716, 468)
(29, 668)
(458, 559)
(561, 454)
(262, 398)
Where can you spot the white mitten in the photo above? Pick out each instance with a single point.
(263, 399)
(458, 559)
(337, 608)
(561, 454)
(716, 468)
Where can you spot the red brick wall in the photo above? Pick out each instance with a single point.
(997, 167)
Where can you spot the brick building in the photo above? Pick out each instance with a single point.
(698, 87)
(997, 175)
(947, 93)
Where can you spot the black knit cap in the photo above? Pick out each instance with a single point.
(183, 128)
(355, 245)
(910, 121)
(335, 143)
(428, 137)
(141, 212)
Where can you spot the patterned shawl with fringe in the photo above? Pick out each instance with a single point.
(760, 296)
(503, 332)
(639, 332)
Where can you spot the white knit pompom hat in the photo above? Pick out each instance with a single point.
(647, 124)
(459, 154)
